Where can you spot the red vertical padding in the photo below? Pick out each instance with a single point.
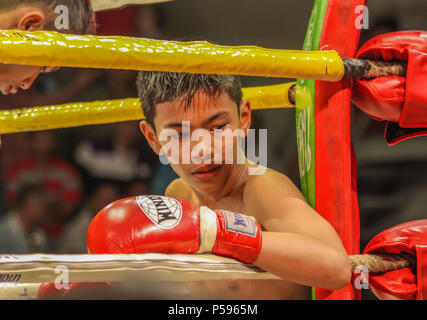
(422, 272)
(335, 172)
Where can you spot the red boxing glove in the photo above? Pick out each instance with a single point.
(403, 284)
(400, 100)
(156, 224)
(48, 291)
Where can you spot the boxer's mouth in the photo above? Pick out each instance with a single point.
(10, 89)
(206, 171)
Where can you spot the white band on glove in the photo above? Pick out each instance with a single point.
(208, 230)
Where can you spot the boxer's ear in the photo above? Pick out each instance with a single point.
(149, 134)
(245, 116)
(32, 21)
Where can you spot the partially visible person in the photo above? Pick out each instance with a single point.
(73, 239)
(65, 85)
(34, 15)
(21, 228)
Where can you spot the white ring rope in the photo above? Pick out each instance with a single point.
(100, 5)
(40, 268)
(22, 275)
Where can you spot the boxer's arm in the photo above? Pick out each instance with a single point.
(298, 244)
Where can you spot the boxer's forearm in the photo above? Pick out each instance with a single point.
(300, 259)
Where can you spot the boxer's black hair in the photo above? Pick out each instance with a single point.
(81, 15)
(155, 87)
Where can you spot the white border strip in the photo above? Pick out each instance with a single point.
(100, 5)
(39, 268)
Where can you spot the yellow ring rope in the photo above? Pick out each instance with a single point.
(44, 48)
(110, 111)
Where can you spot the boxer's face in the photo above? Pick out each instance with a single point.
(15, 77)
(205, 158)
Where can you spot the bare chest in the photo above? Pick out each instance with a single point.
(248, 290)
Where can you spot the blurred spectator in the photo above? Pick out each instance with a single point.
(149, 22)
(58, 177)
(73, 239)
(120, 83)
(117, 157)
(137, 188)
(118, 22)
(13, 148)
(133, 21)
(20, 228)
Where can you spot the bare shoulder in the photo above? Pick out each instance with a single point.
(272, 196)
(272, 184)
(180, 189)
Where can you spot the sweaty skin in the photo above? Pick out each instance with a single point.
(298, 245)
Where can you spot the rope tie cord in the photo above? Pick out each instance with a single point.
(381, 263)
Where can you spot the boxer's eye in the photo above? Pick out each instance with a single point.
(219, 127)
(181, 135)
